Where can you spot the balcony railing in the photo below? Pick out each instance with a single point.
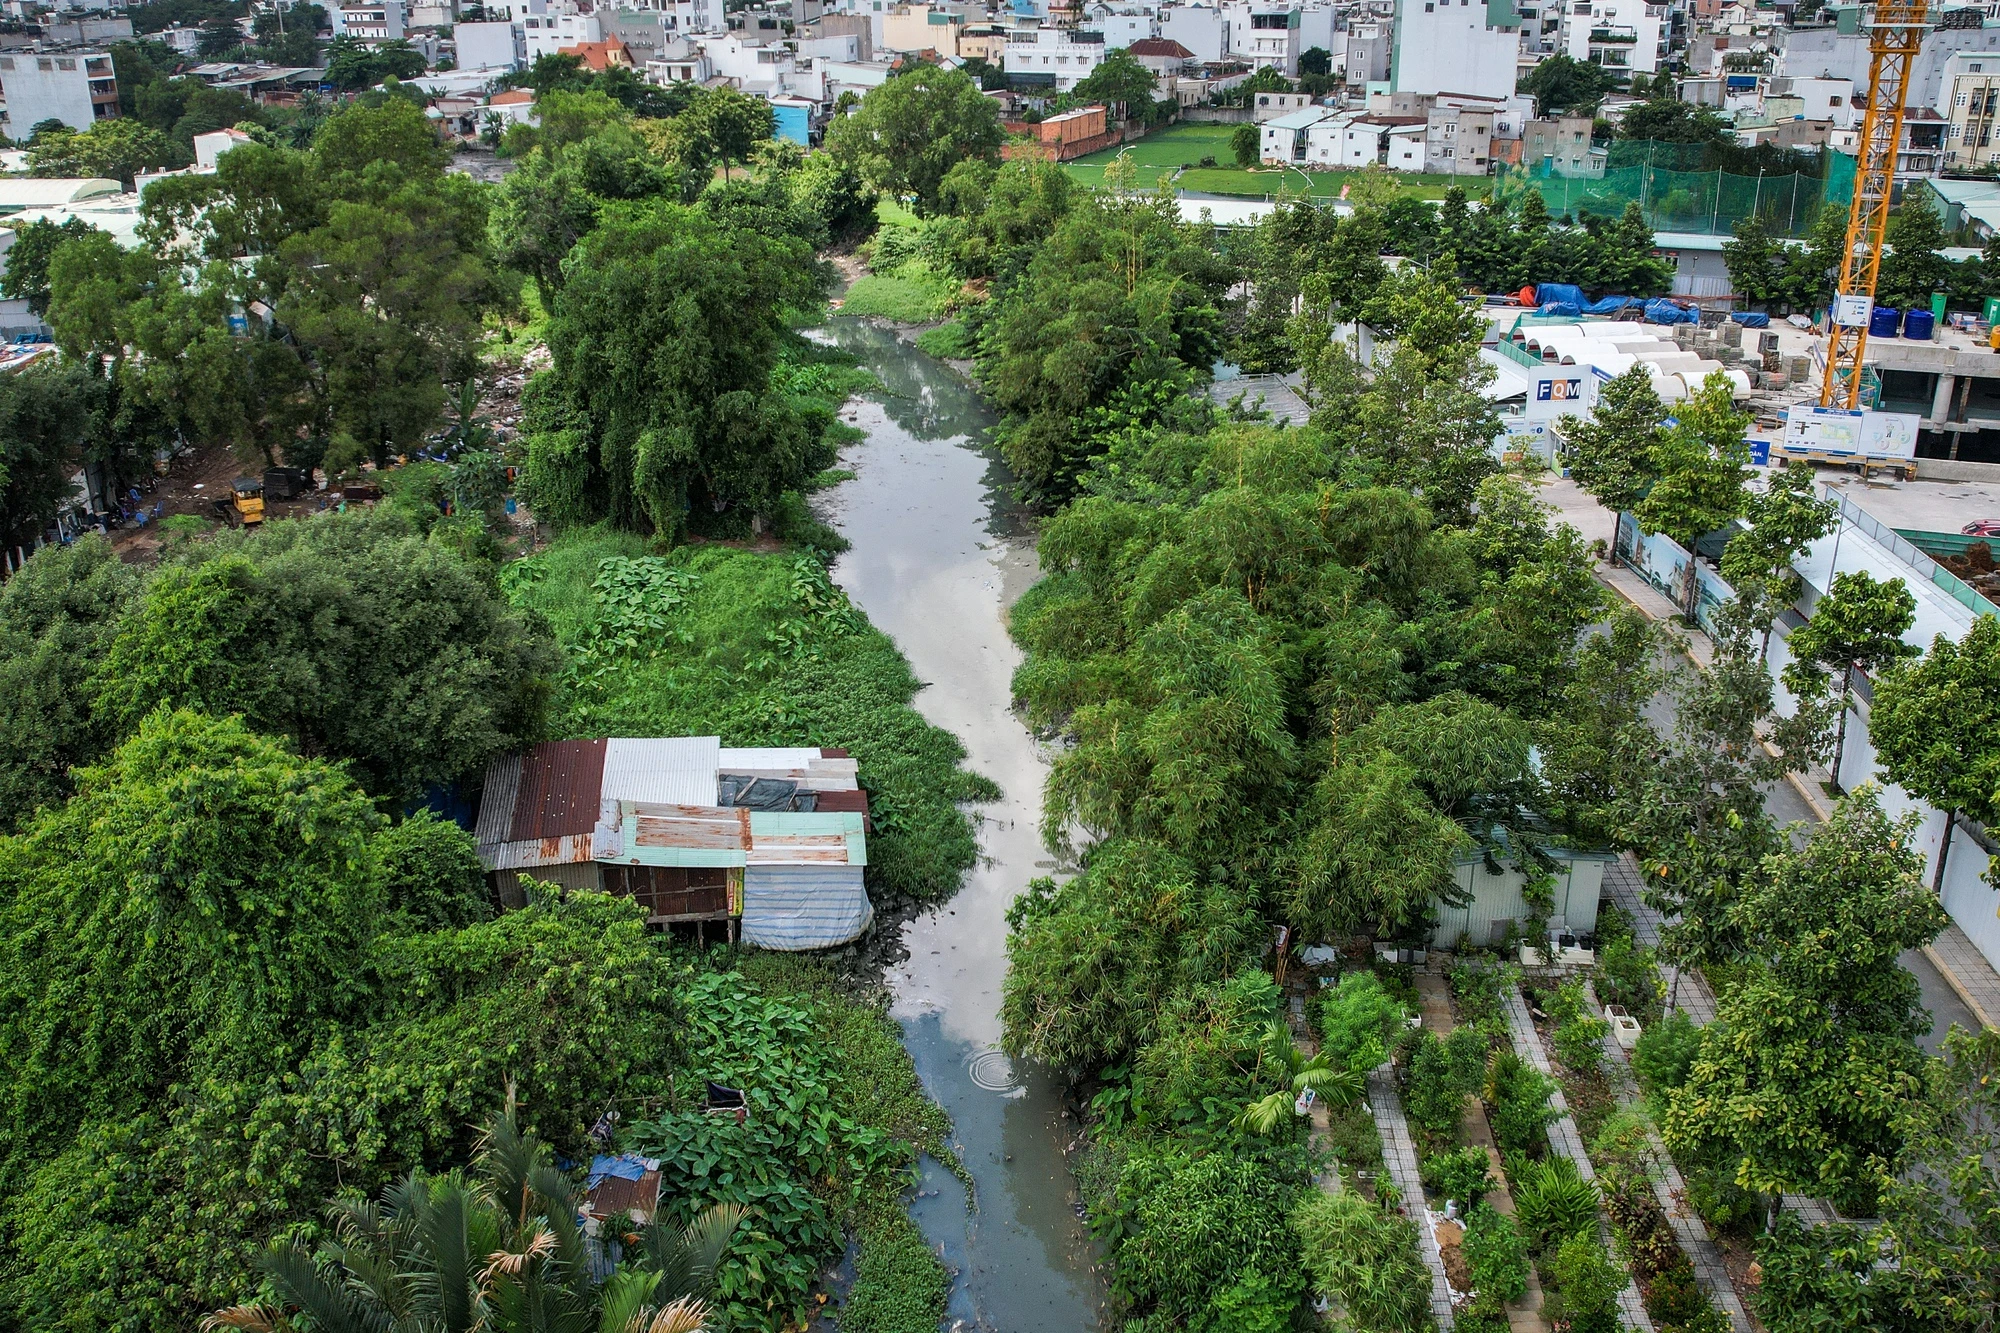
(1610, 35)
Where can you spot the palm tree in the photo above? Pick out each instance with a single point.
(1299, 1071)
(499, 1252)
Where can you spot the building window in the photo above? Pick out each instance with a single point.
(43, 63)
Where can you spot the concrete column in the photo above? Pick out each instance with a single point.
(1941, 400)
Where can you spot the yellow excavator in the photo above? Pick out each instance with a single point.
(248, 495)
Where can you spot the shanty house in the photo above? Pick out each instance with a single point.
(770, 842)
(1496, 901)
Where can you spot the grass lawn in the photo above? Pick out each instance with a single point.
(1162, 154)
(911, 295)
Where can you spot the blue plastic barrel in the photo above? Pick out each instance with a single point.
(1918, 324)
(1885, 321)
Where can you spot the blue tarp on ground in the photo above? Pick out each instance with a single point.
(1666, 312)
(1752, 321)
(1564, 293)
(1561, 310)
(1611, 305)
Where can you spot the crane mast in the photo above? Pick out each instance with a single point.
(1895, 33)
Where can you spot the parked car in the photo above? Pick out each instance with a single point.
(1985, 527)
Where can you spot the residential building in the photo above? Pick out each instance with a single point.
(1269, 106)
(1629, 36)
(1162, 55)
(599, 56)
(1921, 151)
(644, 33)
(913, 28)
(812, 39)
(1461, 47)
(768, 844)
(1364, 57)
(1458, 140)
(386, 21)
(489, 46)
(546, 34)
(1285, 140)
(77, 88)
(1051, 57)
(1841, 52)
(1972, 110)
(1561, 147)
(1125, 27)
(1264, 35)
(1201, 30)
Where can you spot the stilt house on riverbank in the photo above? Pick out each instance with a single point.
(765, 845)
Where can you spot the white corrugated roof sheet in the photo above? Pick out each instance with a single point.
(676, 770)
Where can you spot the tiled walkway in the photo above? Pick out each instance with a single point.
(1671, 1192)
(1565, 1139)
(1400, 1156)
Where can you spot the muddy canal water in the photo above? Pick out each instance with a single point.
(939, 554)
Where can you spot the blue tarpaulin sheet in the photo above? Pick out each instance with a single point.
(1561, 309)
(1666, 312)
(1611, 305)
(1752, 321)
(1548, 293)
(625, 1166)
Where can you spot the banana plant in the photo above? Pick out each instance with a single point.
(1297, 1072)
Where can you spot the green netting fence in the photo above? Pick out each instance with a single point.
(1677, 199)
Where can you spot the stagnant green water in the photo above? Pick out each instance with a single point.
(939, 554)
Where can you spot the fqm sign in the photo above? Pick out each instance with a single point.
(1567, 391)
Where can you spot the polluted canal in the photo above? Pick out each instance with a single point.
(939, 554)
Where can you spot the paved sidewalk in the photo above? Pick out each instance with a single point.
(1958, 961)
(1399, 1154)
(1565, 1138)
(1690, 994)
(1671, 1193)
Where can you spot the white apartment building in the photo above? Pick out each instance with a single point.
(1458, 139)
(490, 45)
(387, 21)
(1625, 35)
(546, 34)
(1830, 53)
(77, 88)
(1052, 57)
(1264, 36)
(1317, 139)
(1972, 110)
(1455, 46)
(1123, 28)
(1201, 30)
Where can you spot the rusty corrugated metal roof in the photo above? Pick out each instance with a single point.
(558, 796)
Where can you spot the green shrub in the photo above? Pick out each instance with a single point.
(1183, 1227)
(1254, 1303)
(1517, 1102)
(1723, 1205)
(1579, 1043)
(1496, 1254)
(1623, 1139)
(1627, 976)
(1676, 1301)
(1477, 987)
(1367, 1259)
(1665, 1053)
(1459, 1174)
(1645, 1237)
(1552, 1203)
(1482, 1314)
(1439, 1075)
(949, 341)
(1589, 1284)
(1352, 1136)
(1358, 1020)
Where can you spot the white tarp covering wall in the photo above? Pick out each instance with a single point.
(804, 906)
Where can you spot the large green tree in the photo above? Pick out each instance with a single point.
(659, 408)
(353, 636)
(1857, 625)
(1811, 1068)
(908, 133)
(1935, 725)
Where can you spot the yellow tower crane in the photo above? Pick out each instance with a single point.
(1894, 34)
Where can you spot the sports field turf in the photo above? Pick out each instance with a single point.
(1164, 152)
